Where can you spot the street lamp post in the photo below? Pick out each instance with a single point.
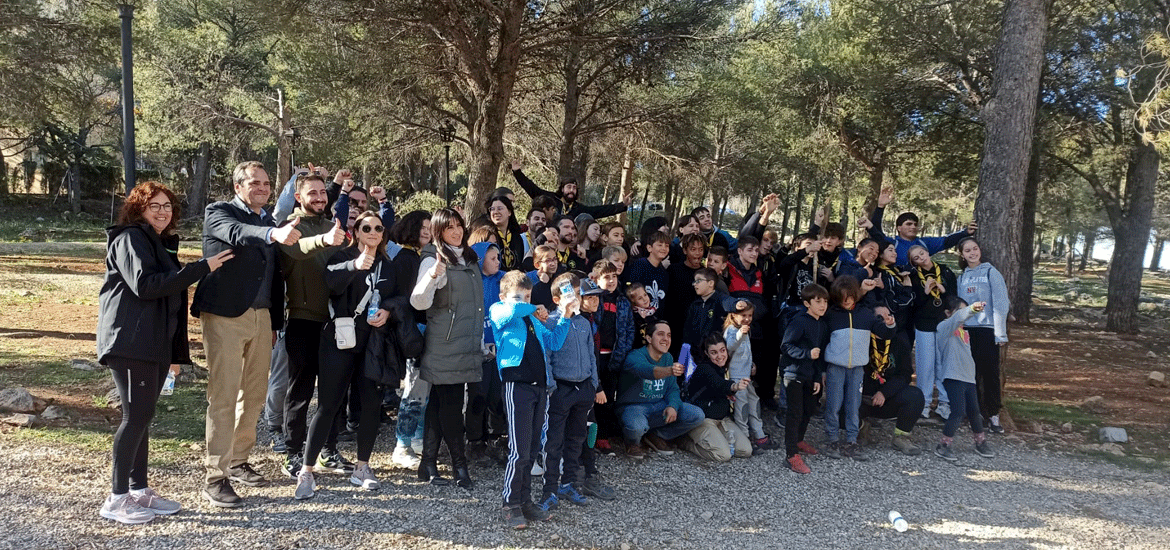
(293, 134)
(447, 135)
(126, 13)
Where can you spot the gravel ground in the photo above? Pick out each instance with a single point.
(1022, 499)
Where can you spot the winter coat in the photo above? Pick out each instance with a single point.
(142, 303)
(390, 345)
(454, 307)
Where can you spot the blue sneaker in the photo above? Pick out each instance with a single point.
(549, 503)
(569, 493)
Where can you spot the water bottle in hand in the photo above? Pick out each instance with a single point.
(372, 309)
(169, 385)
(899, 524)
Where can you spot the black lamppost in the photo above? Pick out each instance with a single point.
(447, 135)
(293, 134)
(126, 13)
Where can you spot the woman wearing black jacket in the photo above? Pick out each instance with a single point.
(353, 276)
(141, 332)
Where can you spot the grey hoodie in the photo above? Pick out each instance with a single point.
(954, 347)
(984, 283)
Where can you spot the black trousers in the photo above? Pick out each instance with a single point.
(906, 406)
(340, 369)
(485, 410)
(138, 383)
(444, 423)
(801, 405)
(766, 356)
(986, 354)
(568, 428)
(608, 425)
(525, 407)
(303, 342)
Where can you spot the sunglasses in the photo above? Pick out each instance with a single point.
(369, 228)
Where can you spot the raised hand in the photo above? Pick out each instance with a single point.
(972, 227)
(516, 164)
(885, 197)
(218, 260)
(868, 285)
(439, 269)
(365, 260)
(287, 234)
(346, 185)
(342, 175)
(336, 235)
(629, 198)
(864, 222)
(815, 353)
(819, 217)
(378, 193)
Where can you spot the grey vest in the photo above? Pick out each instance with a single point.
(454, 327)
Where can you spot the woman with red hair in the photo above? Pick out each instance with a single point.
(141, 332)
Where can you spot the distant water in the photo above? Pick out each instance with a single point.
(1103, 250)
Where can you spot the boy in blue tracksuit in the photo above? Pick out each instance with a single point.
(522, 342)
(574, 368)
(850, 327)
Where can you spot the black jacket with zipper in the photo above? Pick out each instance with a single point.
(347, 289)
(142, 311)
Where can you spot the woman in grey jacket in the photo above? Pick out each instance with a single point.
(981, 282)
(141, 332)
(450, 290)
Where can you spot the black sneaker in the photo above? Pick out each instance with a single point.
(594, 487)
(292, 465)
(220, 494)
(769, 403)
(514, 518)
(347, 435)
(279, 446)
(854, 451)
(993, 425)
(533, 512)
(832, 449)
(332, 461)
(246, 474)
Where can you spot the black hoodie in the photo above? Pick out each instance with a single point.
(709, 389)
(142, 311)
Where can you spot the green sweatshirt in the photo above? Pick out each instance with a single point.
(303, 266)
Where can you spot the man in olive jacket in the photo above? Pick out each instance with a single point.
(240, 306)
(303, 265)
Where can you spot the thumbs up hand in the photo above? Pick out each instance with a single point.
(287, 234)
(365, 260)
(336, 235)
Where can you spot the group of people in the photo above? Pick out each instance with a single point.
(546, 342)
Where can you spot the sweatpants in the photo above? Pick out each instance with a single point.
(929, 369)
(525, 407)
(747, 412)
(483, 416)
(801, 406)
(608, 424)
(342, 368)
(303, 344)
(906, 406)
(964, 401)
(138, 383)
(568, 427)
(985, 352)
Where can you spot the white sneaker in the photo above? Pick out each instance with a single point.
(125, 509)
(944, 410)
(157, 504)
(306, 485)
(416, 445)
(405, 457)
(363, 477)
(537, 468)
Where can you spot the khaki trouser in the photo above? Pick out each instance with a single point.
(239, 350)
(708, 441)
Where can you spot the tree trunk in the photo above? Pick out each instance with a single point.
(1010, 118)
(1156, 261)
(566, 165)
(1131, 234)
(197, 196)
(627, 181)
(1087, 249)
(796, 228)
(1068, 256)
(283, 143)
(1022, 293)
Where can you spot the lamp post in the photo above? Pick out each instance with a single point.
(293, 134)
(126, 13)
(447, 135)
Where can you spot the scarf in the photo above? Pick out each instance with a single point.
(936, 273)
(509, 256)
(880, 355)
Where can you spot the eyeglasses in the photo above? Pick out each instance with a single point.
(697, 281)
(498, 209)
(369, 228)
(156, 207)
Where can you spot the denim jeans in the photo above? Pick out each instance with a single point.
(412, 407)
(964, 402)
(842, 389)
(639, 418)
(929, 368)
(277, 386)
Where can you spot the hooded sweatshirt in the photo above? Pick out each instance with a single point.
(849, 335)
(954, 347)
(491, 288)
(984, 283)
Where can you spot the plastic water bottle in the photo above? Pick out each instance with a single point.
(730, 441)
(899, 523)
(372, 310)
(169, 385)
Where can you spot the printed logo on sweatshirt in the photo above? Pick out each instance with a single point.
(961, 334)
(653, 389)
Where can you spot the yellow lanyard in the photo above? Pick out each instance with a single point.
(505, 237)
(937, 272)
(880, 356)
(563, 257)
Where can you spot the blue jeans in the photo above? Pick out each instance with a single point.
(929, 368)
(964, 402)
(639, 418)
(842, 389)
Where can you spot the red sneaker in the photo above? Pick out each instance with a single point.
(603, 445)
(796, 464)
(805, 448)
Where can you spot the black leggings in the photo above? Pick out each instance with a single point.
(139, 383)
(444, 420)
(338, 369)
(801, 406)
(985, 352)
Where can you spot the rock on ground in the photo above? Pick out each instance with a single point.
(17, 400)
(1112, 435)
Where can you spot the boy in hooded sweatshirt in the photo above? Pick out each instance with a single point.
(522, 344)
(954, 350)
(484, 414)
(850, 327)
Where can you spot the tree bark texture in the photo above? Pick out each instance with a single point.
(1131, 235)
